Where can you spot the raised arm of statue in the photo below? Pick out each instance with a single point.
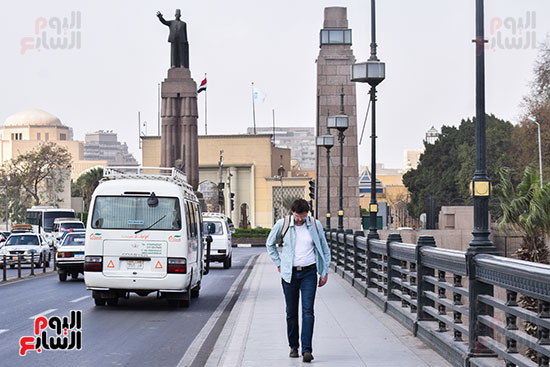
(162, 20)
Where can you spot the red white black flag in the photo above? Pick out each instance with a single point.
(202, 87)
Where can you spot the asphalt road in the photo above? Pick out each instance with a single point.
(140, 331)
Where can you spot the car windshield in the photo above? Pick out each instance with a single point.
(74, 239)
(213, 228)
(49, 218)
(133, 212)
(25, 240)
(66, 226)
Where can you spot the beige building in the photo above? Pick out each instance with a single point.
(26, 130)
(252, 163)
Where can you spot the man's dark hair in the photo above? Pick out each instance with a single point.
(300, 206)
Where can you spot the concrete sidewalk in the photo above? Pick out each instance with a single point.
(349, 329)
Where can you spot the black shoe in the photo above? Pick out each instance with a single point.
(293, 353)
(307, 357)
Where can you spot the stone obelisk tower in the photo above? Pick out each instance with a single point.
(333, 73)
(179, 136)
(179, 113)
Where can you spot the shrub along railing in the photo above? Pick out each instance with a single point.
(422, 287)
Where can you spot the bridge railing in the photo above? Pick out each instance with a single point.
(446, 297)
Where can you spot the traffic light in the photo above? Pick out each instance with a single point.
(311, 207)
(221, 199)
(232, 201)
(312, 189)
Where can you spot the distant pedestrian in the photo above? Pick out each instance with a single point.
(305, 253)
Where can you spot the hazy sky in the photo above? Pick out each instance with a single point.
(123, 53)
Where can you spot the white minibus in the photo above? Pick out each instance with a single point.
(144, 235)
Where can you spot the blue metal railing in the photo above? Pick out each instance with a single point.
(446, 297)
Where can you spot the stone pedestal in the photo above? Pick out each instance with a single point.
(333, 73)
(179, 137)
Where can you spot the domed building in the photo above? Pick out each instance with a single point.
(26, 130)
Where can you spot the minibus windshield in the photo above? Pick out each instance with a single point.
(132, 212)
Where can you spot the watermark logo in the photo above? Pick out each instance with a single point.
(54, 34)
(67, 331)
(513, 33)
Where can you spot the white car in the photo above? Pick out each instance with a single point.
(23, 246)
(70, 255)
(61, 225)
(216, 226)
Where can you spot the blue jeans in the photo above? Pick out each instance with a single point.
(304, 281)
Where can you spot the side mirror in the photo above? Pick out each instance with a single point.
(152, 201)
(232, 231)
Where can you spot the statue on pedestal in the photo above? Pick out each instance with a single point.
(178, 40)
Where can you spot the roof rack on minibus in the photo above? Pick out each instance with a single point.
(173, 175)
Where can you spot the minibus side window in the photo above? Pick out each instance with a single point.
(188, 221)
(193, 219)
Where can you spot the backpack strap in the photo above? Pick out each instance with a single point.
(286, 224)
(312, 220)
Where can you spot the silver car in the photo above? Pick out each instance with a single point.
(26, 247)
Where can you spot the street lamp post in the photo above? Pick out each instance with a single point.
(327, 141)
(281, 172)
(481, 186)
(540, 152)
(341, 123)
(372, 72)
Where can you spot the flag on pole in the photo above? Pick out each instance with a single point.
(202, 87)
(259, 96)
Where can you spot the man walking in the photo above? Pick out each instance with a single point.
(305, 253)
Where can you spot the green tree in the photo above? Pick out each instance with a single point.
(526, 209)
(33, 178)
(536, 104)
(87, 183)
(447, 166)
(48, 162)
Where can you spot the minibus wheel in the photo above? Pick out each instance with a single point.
(195, 291)
(99, 301)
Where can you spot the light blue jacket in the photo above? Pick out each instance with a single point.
(286, 259)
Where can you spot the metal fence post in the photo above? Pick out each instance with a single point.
(4, 270)
(421, 284)
(393, 237)
(19, 267)
(370, 264)
(476, 308)
(355, 254)
(32, 264)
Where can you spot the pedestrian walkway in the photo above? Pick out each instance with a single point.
(349, 330)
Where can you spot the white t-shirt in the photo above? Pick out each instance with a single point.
(304, 254)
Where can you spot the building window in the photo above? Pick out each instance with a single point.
(335, 37)
(62, 136)
(37, 136)
(46, 136)
(17, 136)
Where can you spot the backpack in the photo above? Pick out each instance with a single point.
(286, 224)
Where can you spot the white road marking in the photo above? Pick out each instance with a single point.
(43, 313)
(194, 348)
(244, 245)
(3, 331)
(79, 299)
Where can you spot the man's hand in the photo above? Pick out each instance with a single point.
(279, 268)
(323, 281)
(159, 14)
